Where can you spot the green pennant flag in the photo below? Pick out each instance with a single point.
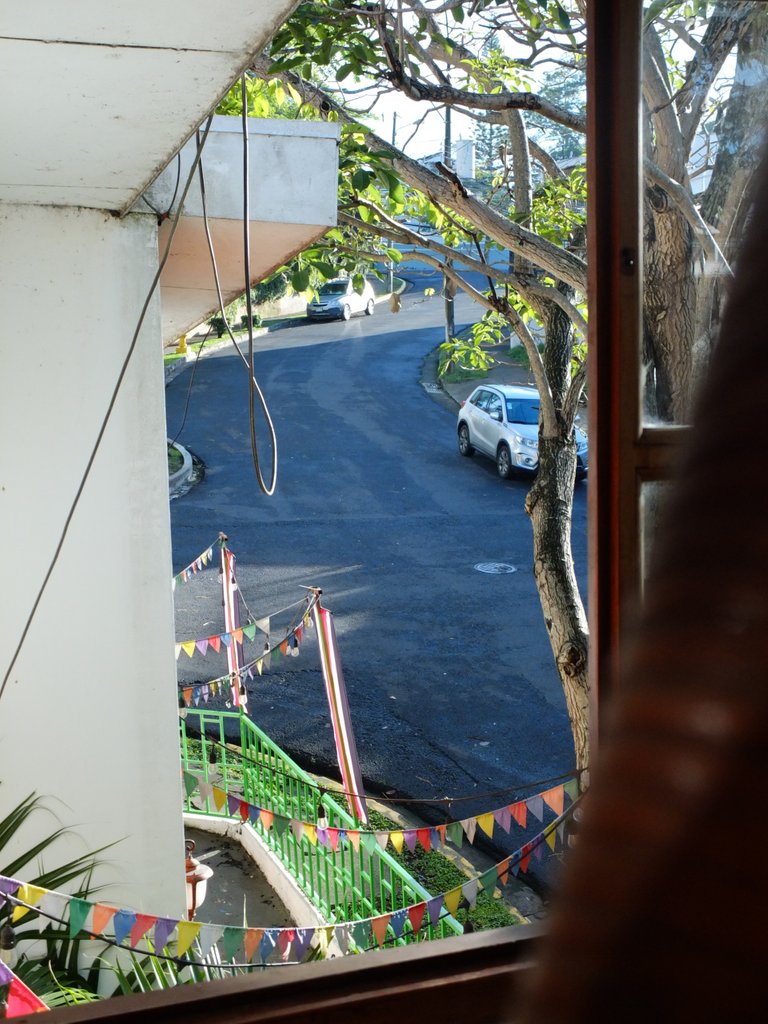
(368, 839)
(490, 879)
(250, 631)
(280, 824)
(361, 934)
(571, 789)
(78, 911)
(232, 941)
(190, 783)
(455, 833)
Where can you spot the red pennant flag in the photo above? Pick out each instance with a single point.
(333, 838)
(416, 916)
(244, 810)
(519, 812)
(143, 923)
(422, 834)
(215, 643)
(525, 860)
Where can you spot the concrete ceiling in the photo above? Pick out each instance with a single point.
(98, 97)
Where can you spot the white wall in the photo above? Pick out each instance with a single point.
(89, 716)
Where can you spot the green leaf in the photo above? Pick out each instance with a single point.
(300, 280)
(361, 179)
(395, 255)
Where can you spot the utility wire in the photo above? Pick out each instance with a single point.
(110, 408)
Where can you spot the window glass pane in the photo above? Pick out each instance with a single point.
(653, 496)
(705, 96)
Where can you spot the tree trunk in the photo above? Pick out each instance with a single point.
(549, 504)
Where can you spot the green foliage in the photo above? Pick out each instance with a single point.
(559, 209)
(462, 354)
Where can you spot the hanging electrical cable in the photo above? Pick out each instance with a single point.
(109, 410)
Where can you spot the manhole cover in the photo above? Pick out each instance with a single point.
(432, 388)
(496, 568)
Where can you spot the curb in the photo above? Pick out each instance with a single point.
(177, 480)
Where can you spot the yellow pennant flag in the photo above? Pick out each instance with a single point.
(485, 821)
(187, 932)
(452, 900)
(396, 839)
(551, 838)
(260, 666)
(188, 647)
(311, 833)
(31, 894)
(379, 926)
(219, 797)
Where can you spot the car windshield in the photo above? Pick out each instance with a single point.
(334, 288)
(523, 410)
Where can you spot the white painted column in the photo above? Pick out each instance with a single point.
(88, 719)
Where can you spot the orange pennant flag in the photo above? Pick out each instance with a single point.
(187, 932)
(519, 812)
(485, 821)
(266, 818)
(379, 926)
(237, 635)
(503, 870)
(354, 837)
(102, 915)
(452, 900)
(555, 798)
(252, 940)
(441, 829)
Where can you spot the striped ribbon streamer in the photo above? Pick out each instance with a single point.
(346, 750)
(231, 624)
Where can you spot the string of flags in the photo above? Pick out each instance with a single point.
(559, 799)
(128, 928)
(194, 567)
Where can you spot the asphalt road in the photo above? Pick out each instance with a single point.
(450, 677)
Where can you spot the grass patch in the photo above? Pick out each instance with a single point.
(458, 374)
(438, 874)
(175, 459)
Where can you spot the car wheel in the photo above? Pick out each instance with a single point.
(369, 307)
(465, 448)
(504, 462)
(346, 312)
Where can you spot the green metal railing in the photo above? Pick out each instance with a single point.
(344, 885)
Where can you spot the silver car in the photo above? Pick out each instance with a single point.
(337, 299)
(502, 422)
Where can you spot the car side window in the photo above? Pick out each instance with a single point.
(481, 399)
(494, 407)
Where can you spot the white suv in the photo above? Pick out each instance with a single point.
(502, 422)
(337, 299)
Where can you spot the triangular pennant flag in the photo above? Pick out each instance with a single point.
(202, 645)
(219, 797)
(354, 837)
(280, 824)
(361, 934)
(379, 927)
(188, 695)
(297, 827)
(186, 932)
(519, 812)
(163, 928)
(78, 911)
(410, 839)
(266, 818)
(268, 942)
(237, 636)
(215, 643)
(538, 851)
(260, 666)
(561, 833)
(536, 807)
(470, 825)
(434, 909)
(9, 886)
(555, 798)
(525, 858)
(571, 789)
(232, 941)
(342, 934)
(252, 941)
(551, 839)
(333, 838)
(489, 879)
(190, 783)
(397, 922)
(503, 871)
(143, 923)
(284, 940)
(452, 900)
(368, 840)
(440, 830)
(122, 922)
(455, 833)
(263, 625)
(423, 836)
(322, 835)
(396, 838)
(54, 904)
(244, 810)
(416, 915)
(208, 937)
(205, 789)
(469, 890)
(189, 648)
(382, 838)
(311, 833)
(233, 805)
(485, 821)
(249, 631)
(302, 939)
(503, 818)
(177, 648)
